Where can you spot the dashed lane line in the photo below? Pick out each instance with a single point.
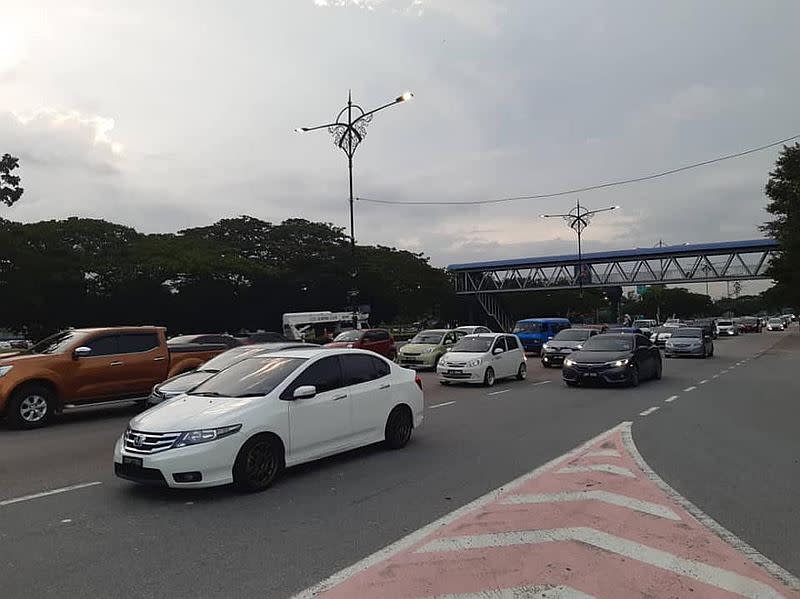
(692, 388)
(6, 502)
(499, 392)
(441, 405)
(703, 382)
(716, 376)
(672, 398)
(542, 383)
(649, 411)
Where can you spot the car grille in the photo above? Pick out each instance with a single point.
(455, 365)
(141, 442)
(456, 375)
(590, 367)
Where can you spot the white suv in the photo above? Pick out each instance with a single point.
(727, 328)
(483, 359)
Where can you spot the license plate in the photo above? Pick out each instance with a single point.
(590, 374)
(132, 461)
(454, 372)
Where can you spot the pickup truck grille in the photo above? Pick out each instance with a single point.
(141, 442)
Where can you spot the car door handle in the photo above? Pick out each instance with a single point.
(159, 359)
(384, 386)
(338, 397)
(116, 364)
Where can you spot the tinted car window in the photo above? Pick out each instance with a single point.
(382, 369)
(472, 344)
(357, 369)
(573, 335)
(512, 343)
(325, 375)
(250, 377)
(382, 335)
(103, 346)
(501, 343)
(132, 343)
(372, 336)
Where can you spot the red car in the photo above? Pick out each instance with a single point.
(377, 340)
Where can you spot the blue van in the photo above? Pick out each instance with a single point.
(533, 332)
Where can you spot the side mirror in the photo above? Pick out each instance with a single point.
(497, 350)
(81, 352)
(305, 392)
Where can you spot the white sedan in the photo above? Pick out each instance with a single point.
(483, 359)
(245, 424)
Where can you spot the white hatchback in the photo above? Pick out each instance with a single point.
(483, 359)
(245, 424)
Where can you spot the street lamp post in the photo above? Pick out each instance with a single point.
(348, 131)
(578, 219)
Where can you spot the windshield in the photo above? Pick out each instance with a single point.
(184, 382)
(348, 336)
(528, 327)
(776, 321)
(229, 357)
(572, 335)
(428, 337)
(691, 333)
(473, 344)
(641, 323)
(608, 343)
(249, 378)
(55, 344)
(725, 323)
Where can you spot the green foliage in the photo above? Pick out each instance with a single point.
(783, 191)
(10, 191)
(668, 301)
(237, 273)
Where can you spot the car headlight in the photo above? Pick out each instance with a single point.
(621, 362)
(429, 350)
(579, 346)
(545, 346)
(206, 435)
(4, 370)
(475, 362)
(569, 362)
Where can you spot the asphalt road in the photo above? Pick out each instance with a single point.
(730, 445)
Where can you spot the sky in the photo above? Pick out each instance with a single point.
(168, 115)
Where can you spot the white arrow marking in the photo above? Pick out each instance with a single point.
(609, 468)
(526, 592)
(603, 453)
(711, 575)
(639, 505)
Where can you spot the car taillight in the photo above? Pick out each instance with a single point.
(418, 381)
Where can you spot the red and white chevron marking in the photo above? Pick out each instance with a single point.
(595, 523)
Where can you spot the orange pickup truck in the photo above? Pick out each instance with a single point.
(90, 366)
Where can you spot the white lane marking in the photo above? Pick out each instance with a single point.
(716, 376)
(544, 591)
(639, 505)
(415, 537)
(723, 533)
(692, 388)
(603, 453)
(6, 502)
(441, 405)
(540, 383)
(703, 382)
(66, 521)
(499, 392)
(609, 468)
(649, 411)
(671, 398)
(711, 575)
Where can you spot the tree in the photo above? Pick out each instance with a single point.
(10, 191)
(783, 191)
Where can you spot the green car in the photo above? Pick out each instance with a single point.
(425, 350)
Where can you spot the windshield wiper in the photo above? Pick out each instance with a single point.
(208, 394)
(250, 395)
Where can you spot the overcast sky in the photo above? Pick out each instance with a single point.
(167, 115)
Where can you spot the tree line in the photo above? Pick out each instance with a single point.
(237, 274)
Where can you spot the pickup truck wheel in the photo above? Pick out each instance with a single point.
(31, 406)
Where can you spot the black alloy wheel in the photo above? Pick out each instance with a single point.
(399, 428)
(258, 464)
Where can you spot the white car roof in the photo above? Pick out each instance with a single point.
(312, 352)
(492, 335)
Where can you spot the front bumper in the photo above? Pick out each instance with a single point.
(417, 360)
(461, 374)
(553, 358)
(596, 374)
(213, 460)
(726, 333)
(683, 351)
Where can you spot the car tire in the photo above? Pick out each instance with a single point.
(522, 372)
(392, 356)
(633, 377)
(260, 461)
(711, 355)
(571, 383)
(659, 371)
(545, 365)
(704, 355)
(31, 406)
(399, 427)
(445, 383)
(488, 377)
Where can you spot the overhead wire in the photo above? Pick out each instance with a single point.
(541, 196)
